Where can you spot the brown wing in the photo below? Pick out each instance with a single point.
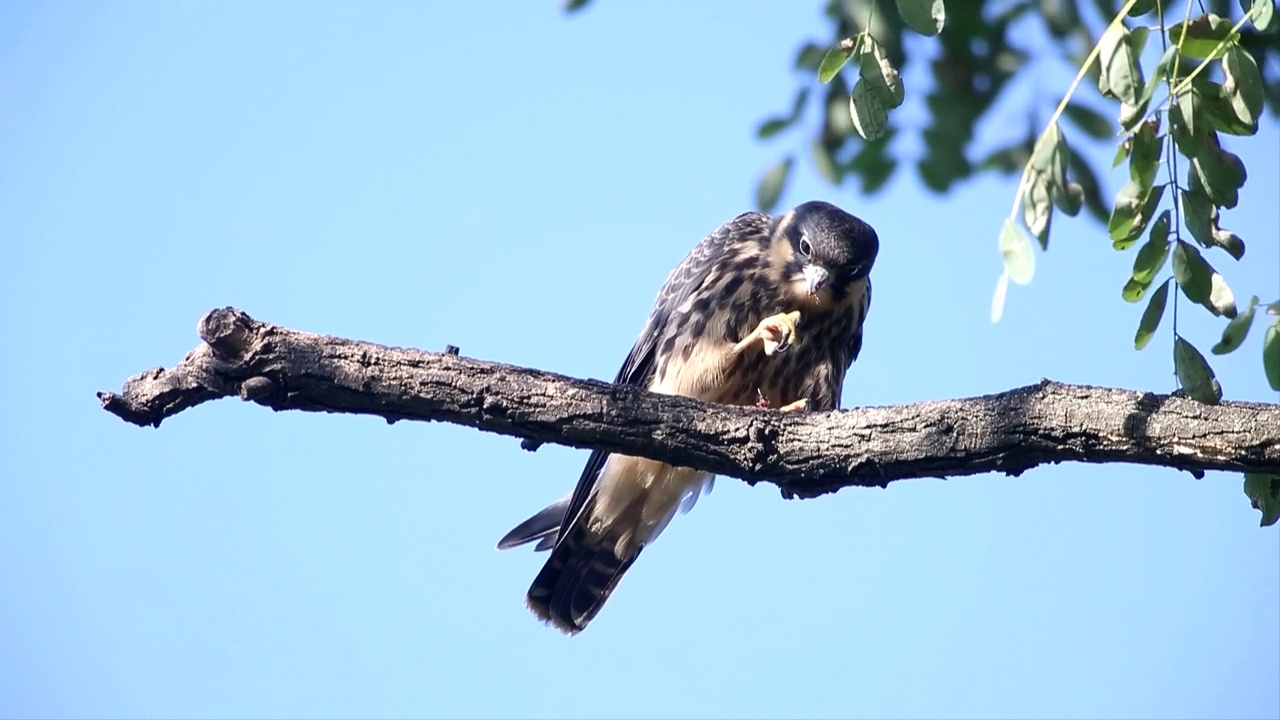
(641, 362)
(638, 369)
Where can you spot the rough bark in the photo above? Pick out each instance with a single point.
(805, 454)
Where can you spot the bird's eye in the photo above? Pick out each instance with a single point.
(806, 249)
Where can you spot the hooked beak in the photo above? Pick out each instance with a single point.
(816, 277)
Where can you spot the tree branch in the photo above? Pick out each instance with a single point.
(805, 454)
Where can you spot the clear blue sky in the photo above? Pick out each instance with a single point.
(517, 183)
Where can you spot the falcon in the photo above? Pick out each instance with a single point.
(765, 311)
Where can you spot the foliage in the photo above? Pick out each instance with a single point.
(1264, 493)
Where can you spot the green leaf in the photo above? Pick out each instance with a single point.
(1046, 184)
(944, 161)
(1242, 85)
(810, 57)
(1187, 121)
(1092, 122)
(1134, 290)
(1103, 86)
(1198, 211)
(1151, 316)
(1194, 374)
(1060, 18)
(1200, 38)
(1228, 241)
(835, 59)
(1150, 204)
(1271, 355)
(873, 165)
(1201, 219)
(1132, 213)
(924, 16)
(1050, 160)
(1019, 258)
(1192, 272)
(1236, 330)
(1084, 175)
(1007, 159)
(998, 298)
(1122, 152)
(1221, 173)
(1131, 115)
(772, 127)
(1138, 39)
(870, 116)
(824, 163)
(839, 118)
(1037, 207)
(574, 5)
(880, 75)
(1154, 252)
(1221, 300)
(1144, 155)
(1263, 491)
(1068, 199)
(797, 105)
(1220, 112)
(1049, 156)
(772, 183)
(1161, 72)
(1127, 207)
(1142, 7)
(1121, 76)
(1260, 11)
(1200, 282)
(1192, 114)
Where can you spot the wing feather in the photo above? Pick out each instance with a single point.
(639, 367)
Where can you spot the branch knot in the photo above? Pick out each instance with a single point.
(228, 331)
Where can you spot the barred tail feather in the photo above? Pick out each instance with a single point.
(542, 527)
(578, 578)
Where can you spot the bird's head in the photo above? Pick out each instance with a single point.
(829, 251)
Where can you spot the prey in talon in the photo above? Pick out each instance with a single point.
(724, 328)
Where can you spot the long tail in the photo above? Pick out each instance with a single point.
(578, 578)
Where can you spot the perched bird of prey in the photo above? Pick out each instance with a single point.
(764, 311)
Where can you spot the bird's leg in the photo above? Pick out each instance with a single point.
(762, 401)
(797, 406)
(776, 333)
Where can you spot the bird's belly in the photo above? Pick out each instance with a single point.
(645, 494)
(710, 373)
(755, 379)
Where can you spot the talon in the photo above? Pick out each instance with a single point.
(776, 333)
(780, 332)
(797, 406)
(761, 400)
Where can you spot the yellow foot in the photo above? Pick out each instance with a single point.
(776, 333)
(801, 404)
